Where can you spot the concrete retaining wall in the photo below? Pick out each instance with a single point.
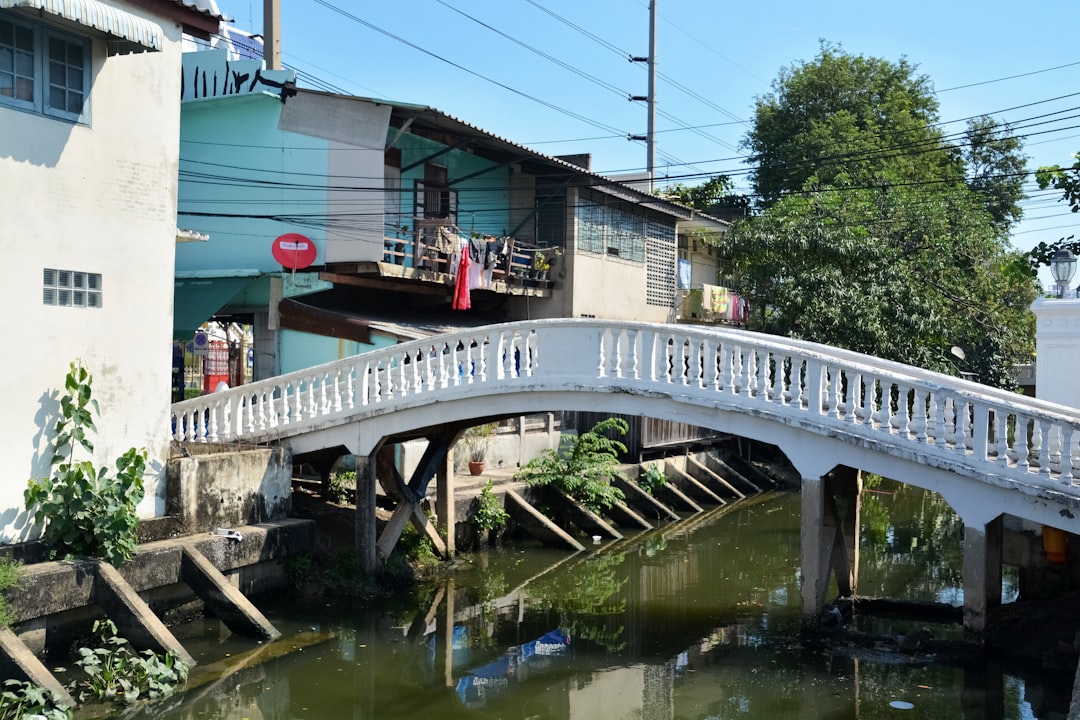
(216, 487)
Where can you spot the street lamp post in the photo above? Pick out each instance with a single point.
(1062, 267)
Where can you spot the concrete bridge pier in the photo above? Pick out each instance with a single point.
(829, 537)
(982, 574)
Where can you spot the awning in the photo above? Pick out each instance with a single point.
(98, 16)
(196, 299)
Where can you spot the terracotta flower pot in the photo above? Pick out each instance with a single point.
(476, 467)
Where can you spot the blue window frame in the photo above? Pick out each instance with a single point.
(44, 70)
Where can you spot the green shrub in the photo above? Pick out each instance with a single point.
(487, 512)
(582, 467)
(85, 512)
(652, 479)
(342, 486)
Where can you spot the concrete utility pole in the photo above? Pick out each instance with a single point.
(650, 137)
(651, 143)
(272, 34)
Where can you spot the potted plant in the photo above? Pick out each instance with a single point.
(540, 265)
(476, 441)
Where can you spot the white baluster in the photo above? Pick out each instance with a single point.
(779, 363)
(635, 354)
(1066, 455)
(938, 405)
(1001, 436)
(834, 380)
(917, 424)
(1043, 447)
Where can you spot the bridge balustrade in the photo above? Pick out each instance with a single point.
(817, 386)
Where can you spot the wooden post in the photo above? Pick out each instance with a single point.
(366, 539)
(444, 503)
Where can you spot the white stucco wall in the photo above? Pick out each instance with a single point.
(1057, 350)
(99, 198)
(612, 288)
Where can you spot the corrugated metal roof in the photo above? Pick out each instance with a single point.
(206, 7)
(439, 119)
(99, 16)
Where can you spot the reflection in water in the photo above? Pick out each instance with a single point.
(697, 620)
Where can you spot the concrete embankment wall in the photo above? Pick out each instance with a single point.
(228, 521)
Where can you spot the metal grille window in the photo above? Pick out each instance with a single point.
(44, 71)
(71, 288)
(660, 265)
(610, 230)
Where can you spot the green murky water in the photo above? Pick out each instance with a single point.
(696, 620)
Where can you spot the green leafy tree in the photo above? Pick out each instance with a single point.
(875, 233)
(582, 467)
(715, 196)
(846, 120)
(86, 511)
(996, 169)
(1066, 180)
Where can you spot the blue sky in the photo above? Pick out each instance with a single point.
(714, 59)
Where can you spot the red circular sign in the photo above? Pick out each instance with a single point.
(294, 251)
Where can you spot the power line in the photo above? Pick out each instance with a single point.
(504, 86)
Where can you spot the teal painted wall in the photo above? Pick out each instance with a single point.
(301, 350)
(483, 201)
(283, 174)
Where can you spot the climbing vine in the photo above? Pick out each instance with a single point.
(85, 511)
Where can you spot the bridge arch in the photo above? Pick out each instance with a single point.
(986, 451)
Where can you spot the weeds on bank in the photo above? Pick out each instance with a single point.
(86, 511)
(487, 513)
(114, 671)
(9, 578)
(21, 700)
(342, 487)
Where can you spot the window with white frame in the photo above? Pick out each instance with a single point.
(71, 288)
(44, 70)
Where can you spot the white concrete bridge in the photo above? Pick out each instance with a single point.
(989, 453)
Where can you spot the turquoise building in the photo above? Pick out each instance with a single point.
(331, 224)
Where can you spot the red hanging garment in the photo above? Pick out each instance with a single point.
(461, 283)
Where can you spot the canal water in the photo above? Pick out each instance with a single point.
(695, 620)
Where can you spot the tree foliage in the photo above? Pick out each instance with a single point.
(1067, 180)
(716, 196)
(846, 120)
(877, 235)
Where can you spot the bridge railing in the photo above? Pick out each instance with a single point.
(1028, 439)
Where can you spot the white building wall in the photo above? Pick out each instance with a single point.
(102, 199)
(1057, 350)
(612, 288)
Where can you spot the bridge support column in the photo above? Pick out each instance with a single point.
(982, 574)
(444, 503)
(366, 536)
(829, 537)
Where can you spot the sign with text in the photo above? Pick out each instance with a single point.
(293, 251)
